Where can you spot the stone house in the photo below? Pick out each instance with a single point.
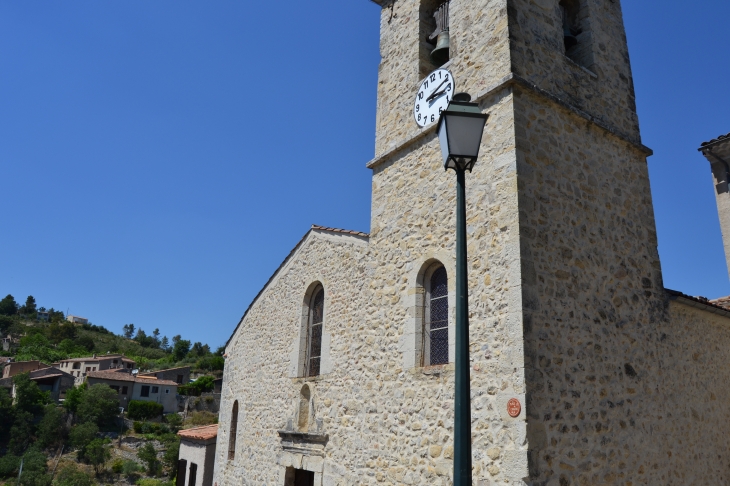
(18, 367)
(130, 387)
(77, 319)
(80, 367)
(585, 370)
(180, 375)
(48, 378)
(197, 455)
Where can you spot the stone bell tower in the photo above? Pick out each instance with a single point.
(564, 273)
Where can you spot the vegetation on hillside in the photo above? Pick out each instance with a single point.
(59, 339)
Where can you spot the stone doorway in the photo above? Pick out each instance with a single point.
(298, 477)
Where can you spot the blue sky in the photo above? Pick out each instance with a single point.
(159, 159)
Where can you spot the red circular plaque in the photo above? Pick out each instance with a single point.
(514, 408)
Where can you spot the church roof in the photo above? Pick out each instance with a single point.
(715, 141)
(286, 260)
(718, 306)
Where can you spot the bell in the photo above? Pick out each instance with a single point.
(440, 55)
(569, 39)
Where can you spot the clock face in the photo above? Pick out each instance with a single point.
(434, 95)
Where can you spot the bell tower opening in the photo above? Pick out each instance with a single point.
(433, 37)
(577, 38)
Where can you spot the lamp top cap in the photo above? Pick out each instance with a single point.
(463, 97)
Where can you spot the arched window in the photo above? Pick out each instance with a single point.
(314, 332)
(436, 318)
(233, 432)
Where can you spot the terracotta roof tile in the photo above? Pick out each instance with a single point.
(201, 433)
(722, 302)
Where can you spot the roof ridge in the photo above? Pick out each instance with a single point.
(340, 230)
(721, 138)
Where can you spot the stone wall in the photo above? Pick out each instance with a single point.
(605, 89)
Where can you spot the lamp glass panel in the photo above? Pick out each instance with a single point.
(444, 141)
(464, 134)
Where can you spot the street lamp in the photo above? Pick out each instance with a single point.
(460, 132)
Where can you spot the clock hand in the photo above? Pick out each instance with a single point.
(433, 94)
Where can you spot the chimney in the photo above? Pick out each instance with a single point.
(717, 152)
(94, 355)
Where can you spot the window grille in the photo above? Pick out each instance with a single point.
(232, 434)
(314, 333)
(436, 325)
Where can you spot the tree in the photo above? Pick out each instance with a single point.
(172, 455)
(57, 332)
(8, 306)
(30, 307)
(164, 344)
(129, 469)
(148, 455)
(5, 323)
(86, 342)
(35, 469)
(181, 349)
(52, 427)
(21, 433)
(73, 397)
(97, 454)
(6, 412)
(99, 404)
(82, 435)
(128, 331)
(199, 349)
(211, 363)
(28, 397)
(175, 339)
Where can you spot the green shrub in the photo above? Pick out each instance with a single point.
(194, 389)
(148, 455)
(9, 466)
(138, 427)
(130, 468)
(153, 482)
(117, 466)
(72, 475)
(174, 420)
(139, 410)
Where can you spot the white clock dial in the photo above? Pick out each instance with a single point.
(434, 95)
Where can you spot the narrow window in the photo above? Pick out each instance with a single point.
(193, 474)
(436, 319)
(124, 390)
(232, 434)
(179, 379)
(145, 391)
(314, 332)
(155, 389)
(182, 465)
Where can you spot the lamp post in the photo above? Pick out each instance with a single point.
(460, 132)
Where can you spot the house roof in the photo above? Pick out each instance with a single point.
(722, 302)
(114, 376)
(287, 259)
(99, 358)
(150, 373)
(201, 433)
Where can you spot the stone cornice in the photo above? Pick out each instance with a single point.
(514, 80)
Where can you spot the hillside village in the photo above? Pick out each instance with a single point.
(84, 406)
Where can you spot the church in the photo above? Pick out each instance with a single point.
(584, 369)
